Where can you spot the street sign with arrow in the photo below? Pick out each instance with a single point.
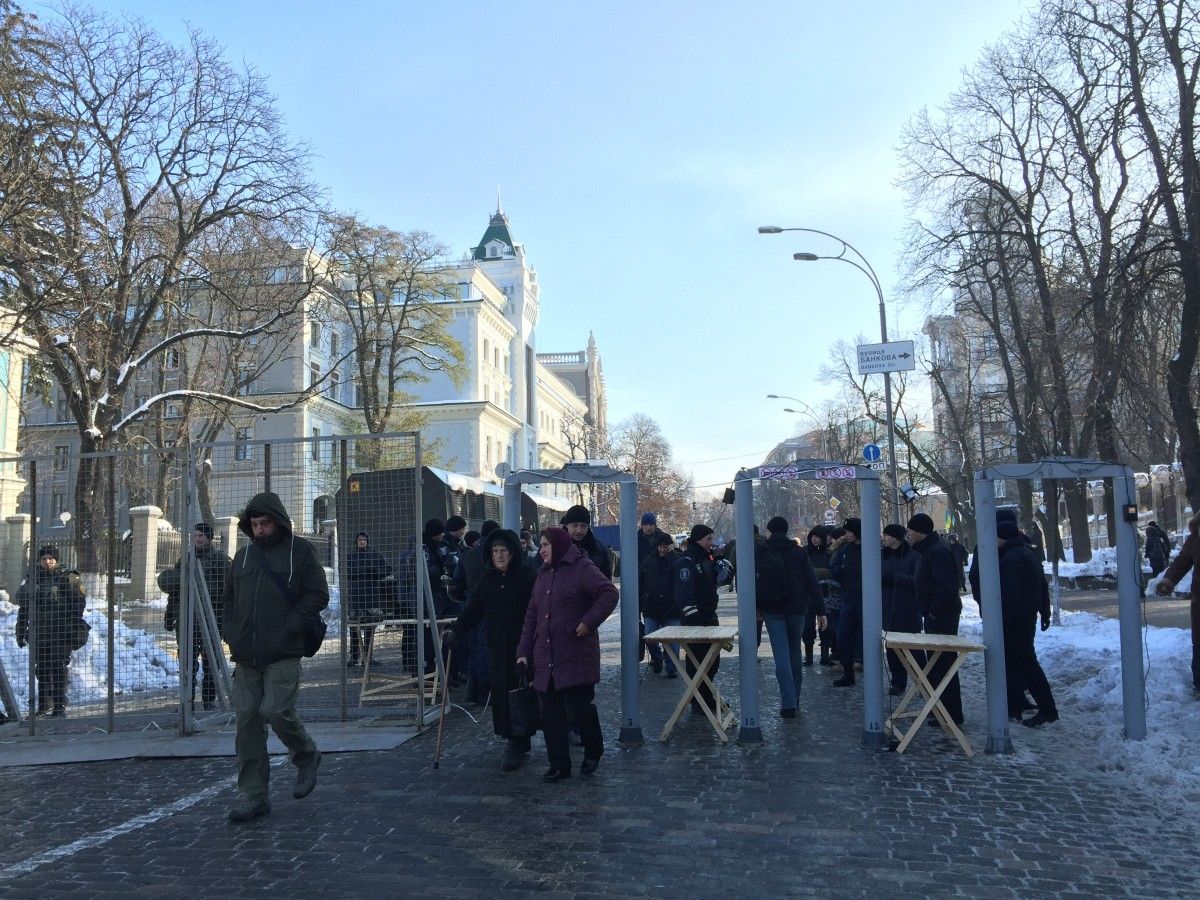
(895, 356)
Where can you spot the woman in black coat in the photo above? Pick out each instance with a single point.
(900, 609)
(499, 600)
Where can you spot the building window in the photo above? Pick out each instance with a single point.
(489, 452)
(60, 457)
(335, 343)
(506, 372)
(174, 411)
(314, 335)
(496, 357)
(487, 350)
(335, 386)
(245, 385)
(314, 374)
(171, 360)
(316, 445)
(58, 503)
(358, 393)
(242, 450)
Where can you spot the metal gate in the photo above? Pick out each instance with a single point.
(130, 562)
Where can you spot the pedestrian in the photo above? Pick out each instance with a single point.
(784, 614)
(52, 602)
(530, 550)
(578, 523)
(901, 612)
(467, 573)
(939, 600)
(1188, 560)
(656, 589)
(1023, 596)
(571, 599)
(496, 607)
(846, 567)
(696, 598)
(816, 546)
(274, 595)
(1156, 550)
(214, 566)
(370, 588)
(959, 549)
(648, 534)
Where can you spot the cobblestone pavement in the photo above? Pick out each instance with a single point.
(809, 813)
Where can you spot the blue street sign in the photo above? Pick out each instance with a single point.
(872, 453)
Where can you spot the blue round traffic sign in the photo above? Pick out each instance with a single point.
(872, 453)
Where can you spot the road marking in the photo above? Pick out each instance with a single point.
(33, 863)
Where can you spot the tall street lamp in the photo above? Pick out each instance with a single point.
(865, 267)
(806, 410)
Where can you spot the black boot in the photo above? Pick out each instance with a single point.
(808, 654)
(514, 755)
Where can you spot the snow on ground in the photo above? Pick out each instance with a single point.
(1103, 564)
(142, 663)
(1082, 660)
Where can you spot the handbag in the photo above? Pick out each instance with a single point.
(79, 634)
(524, 716)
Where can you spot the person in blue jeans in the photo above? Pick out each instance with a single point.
(784, 614)
(656, 588)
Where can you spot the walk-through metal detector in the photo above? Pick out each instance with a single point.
(586, 473)
(750, 732)
(1133, 675)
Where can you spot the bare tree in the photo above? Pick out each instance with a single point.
(639, 447)
(392, 291)
(148, 149)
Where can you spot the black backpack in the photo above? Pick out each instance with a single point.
(770, 578)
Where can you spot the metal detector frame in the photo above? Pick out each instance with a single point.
(1133, 675)
(586, 473)
(750, 732)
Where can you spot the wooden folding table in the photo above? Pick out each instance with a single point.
(713, 638)
(903, 644)
(379, 685)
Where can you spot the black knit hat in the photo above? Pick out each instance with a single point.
(854, 526)
(48, 550)
(488, 527)
(699, 533)
(1006, 514)
(456, 523)
(921, 524)
(433, 528)
(576, 513)
(1007, 531)
(662, 538)
(777, 525)
(204, 528)
(894, 529)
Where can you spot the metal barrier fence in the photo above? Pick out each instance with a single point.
(115, 624)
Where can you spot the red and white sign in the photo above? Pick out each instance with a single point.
(779, 473)
(835, 472)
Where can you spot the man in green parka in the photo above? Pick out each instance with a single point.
(275, 592)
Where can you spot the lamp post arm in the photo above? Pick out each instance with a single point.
(846, 245)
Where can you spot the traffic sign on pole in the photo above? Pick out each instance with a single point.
(872, 453)
(830, 517)
(895, 356)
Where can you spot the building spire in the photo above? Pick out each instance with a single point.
(499, 208)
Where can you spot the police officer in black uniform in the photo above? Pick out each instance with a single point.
(696, 596)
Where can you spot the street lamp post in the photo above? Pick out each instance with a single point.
(866, 269)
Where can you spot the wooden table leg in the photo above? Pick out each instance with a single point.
(691, 685)
(714, 649)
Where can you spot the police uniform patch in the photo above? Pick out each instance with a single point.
(685, 573)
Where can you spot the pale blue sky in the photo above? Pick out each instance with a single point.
(637, 146)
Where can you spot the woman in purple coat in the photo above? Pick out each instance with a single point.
(571, 598)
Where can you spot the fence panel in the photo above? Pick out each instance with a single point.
(117, 526)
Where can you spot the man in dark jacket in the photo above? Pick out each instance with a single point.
(1156, 550)
(51, 601)
(784, 614)
(656, 586)
(273, 597)
(938, 597)
(696, 598)
(214, 566)
(846, 567)
(475, 648)
(496, 606)
(578, 522)
(959, 549)
(898, 565)
(817, 547)
(370, 591)
(648, 534)
(1022, 585)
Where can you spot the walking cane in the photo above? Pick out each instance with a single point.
(437, 753)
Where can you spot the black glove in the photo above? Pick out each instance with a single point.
(1045, 623)
(522, 670)
(22, 638)
(449, 637)
(170, 623)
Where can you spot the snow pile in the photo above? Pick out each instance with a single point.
(1103, 564)
(1082, 659)
(142, 663)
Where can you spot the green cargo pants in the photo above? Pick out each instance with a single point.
(264, 696)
